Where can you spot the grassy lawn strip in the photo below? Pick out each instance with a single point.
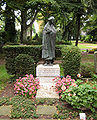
(82, 45)
(4, 76)
(61, 70)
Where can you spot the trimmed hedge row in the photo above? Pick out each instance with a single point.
(24, 64)
(12, 51)
(71, 56)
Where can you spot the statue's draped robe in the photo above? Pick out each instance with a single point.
(48, 42)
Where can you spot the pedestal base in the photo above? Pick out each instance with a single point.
(46, 75)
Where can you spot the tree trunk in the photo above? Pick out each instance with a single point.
(10, 25)
(78, 29)
(23, 26)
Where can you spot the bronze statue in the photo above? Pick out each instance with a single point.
(48, 42)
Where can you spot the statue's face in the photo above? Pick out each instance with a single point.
(52, 21)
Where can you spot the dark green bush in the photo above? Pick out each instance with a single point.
(63, 42)
(87, 69)
(12, 51)
(24, 64)
(58, 50)
(71, 57)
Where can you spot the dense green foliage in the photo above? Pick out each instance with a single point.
(12, 51)
(71, 56)
(70, 16)
(82, 96)
(86, 70)
(24, 64)
(71, 60)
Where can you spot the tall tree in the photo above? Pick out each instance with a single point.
(9, 24)
(29, 10)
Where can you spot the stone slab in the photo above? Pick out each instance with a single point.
(5, 110)
(46, 110)
(47, 91)
(47, 71)
(47, 88)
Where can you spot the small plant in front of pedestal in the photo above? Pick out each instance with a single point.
(63, 83)
(27, 86)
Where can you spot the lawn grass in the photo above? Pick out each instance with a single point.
(4, 76)
(61, 70)
(82, 45)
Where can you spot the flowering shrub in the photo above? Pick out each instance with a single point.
(27, 86)
(63, 83)
(82, 96)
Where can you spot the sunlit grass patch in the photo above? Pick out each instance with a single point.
(4, 76)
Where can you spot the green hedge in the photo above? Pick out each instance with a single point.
(71, 57)
(58, 52)
(24, 64)
(12, 51)
(87, 69)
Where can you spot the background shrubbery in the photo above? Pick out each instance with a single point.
(87, 70)
(12, 51)
(71, 57)
(24, 64)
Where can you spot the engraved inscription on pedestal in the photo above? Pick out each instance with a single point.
(42, 70)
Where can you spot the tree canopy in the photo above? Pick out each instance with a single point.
(71, 16)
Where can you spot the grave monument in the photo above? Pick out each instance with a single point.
(47, 71)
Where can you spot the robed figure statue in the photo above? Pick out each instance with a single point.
(48, 42)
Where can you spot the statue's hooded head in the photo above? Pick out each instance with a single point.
(51, 19)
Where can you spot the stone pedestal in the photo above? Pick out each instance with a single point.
(46, 75)
(47, 71)
(95, 61)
